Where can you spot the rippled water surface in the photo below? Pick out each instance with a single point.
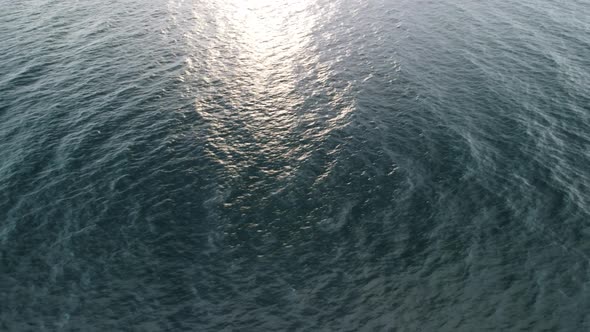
(242, 165)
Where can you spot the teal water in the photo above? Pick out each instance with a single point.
(314, 165)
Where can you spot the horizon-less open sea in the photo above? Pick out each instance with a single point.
(311, 165)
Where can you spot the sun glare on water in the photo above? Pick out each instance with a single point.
(252, 61)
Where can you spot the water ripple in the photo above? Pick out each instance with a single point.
(294, 165)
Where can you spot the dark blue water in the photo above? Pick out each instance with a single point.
(314, 165)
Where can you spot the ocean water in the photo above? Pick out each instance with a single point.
(312, 165)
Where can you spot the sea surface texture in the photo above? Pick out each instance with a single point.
(312, 165)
